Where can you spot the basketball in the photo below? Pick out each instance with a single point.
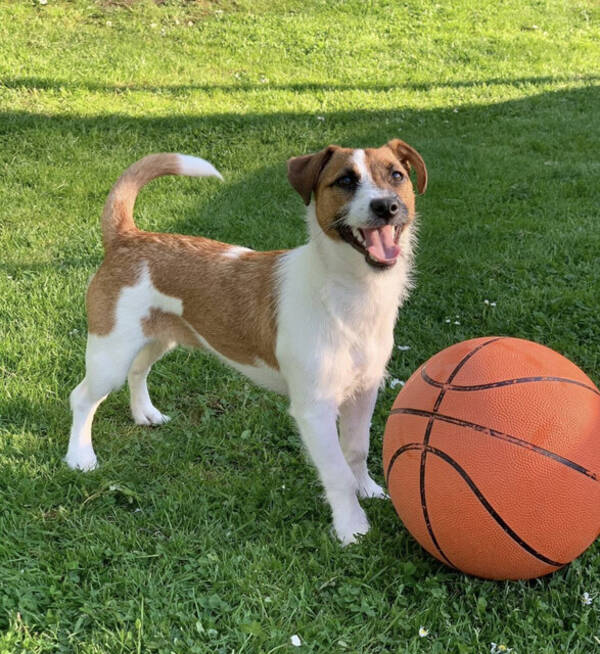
(491, 455)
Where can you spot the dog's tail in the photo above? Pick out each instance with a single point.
(117, 217)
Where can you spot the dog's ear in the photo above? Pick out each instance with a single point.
(303, 172)
(411, 159)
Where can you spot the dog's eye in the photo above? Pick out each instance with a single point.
(397, 176)
(346, 181)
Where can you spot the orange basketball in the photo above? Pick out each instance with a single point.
(492, 458)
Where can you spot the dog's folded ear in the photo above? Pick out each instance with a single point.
(303, 172)
(411, 159)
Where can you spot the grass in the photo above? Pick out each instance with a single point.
(208, 534)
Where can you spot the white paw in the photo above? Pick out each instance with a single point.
(367, 488)
(350, 527)
(149, 416)
(82, 459)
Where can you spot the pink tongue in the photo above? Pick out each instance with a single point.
(380, 244)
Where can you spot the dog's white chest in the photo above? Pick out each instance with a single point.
(335, 335)
(363, 349)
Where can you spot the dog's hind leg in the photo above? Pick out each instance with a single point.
(107, 361)
(142, 409)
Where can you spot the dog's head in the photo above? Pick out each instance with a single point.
(364, 198)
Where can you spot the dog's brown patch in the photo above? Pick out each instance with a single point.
(230, 302)
(381, 162)
(329, 198)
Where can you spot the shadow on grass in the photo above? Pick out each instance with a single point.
(481, 159)
(45, 84)
(500, 175)
(512, 209)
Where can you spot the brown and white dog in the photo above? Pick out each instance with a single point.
(315, 323)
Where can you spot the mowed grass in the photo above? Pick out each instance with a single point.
(209, 534)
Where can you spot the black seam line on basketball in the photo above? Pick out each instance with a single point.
(482, 499)
(506, 382)
(426, 437)
(501, 436)
(424, 499)
(397, 453)
(470, 354)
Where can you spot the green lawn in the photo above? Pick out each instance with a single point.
(208, 534)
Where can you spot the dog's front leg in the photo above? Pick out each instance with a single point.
(355, 423)
(316, 421)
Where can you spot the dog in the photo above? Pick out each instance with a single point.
(315, 322)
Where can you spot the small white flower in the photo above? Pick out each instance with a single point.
(486, 301)
(320, 117)
(423, 632)
(177, 21)
(190, 23)
(447, 320)
(492, 304)
(456, 322)
(295, 640)
(109, 23)
(396, 382)
(455, 111)
(153, 25)
(267, 600)
(282, 486)
(586, 599)
(496, 649)
(404, 348)
(43, 2)
(74, 332)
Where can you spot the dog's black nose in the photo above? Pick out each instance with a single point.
(386, 208)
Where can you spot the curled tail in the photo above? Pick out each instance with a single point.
(117, 217)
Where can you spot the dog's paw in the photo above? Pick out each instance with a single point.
(367, 488)
(350, 528)
(83, 459)
(149, 416)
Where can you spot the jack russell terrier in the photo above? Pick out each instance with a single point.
(315, 323)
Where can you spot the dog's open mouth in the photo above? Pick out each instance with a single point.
(379, 245)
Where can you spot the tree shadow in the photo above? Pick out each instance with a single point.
(480, 158)
(46, 84)
(512, 202)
